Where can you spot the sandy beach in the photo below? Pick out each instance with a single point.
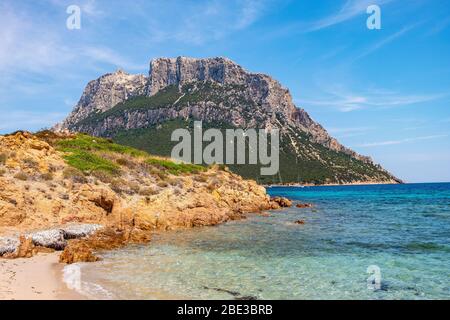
(36, 278)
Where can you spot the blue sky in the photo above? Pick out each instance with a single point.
(384, 93)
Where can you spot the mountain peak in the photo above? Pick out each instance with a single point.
(214, 90)
(178, 71)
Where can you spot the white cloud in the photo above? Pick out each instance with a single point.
(394, 142)
(343, 100)
(25, 47)
(106, 55)
(384, 42)
(349, 10)
(200, 22)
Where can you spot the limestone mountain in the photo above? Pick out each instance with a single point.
(142, 111)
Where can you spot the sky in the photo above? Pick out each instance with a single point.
(382, 92)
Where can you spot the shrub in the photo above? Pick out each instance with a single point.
(85, 142)
(2, 172)
(103, 176)
(175, 168)
(3, 158)
(125, 162)
(200, 178)
(47, 176)
(118, 185)
(21, 176)
(88, 162)
(133, 187)
(175, 182)
(31, 163)
(74, 174)
(163, 184)
(148, 191)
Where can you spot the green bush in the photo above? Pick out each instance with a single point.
(88, 162)
(85, 142)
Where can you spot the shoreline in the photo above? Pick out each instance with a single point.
(35, 278)
(332, 184)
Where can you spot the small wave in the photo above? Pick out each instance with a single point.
(72, 279)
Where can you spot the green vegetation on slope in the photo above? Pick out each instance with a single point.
(314, 163)
(87, 154)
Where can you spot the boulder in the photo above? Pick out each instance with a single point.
(304, 205)
(282, 202)
(8, 245)
(76, 231)
(77, 251)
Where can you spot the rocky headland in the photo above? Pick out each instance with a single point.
(79, 193)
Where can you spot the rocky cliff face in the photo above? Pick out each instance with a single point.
(212, 90)
(104, 93)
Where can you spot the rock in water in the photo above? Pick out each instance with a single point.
(282, 202)
(304, 205)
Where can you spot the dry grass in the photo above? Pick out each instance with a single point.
(103, 176)
(47, 176)
(21, 176)
(163, 184)
(3, 158)
(31, 163)
(74, 174)
(200, 178)
(148, 191)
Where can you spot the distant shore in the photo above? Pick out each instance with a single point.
(330, 184)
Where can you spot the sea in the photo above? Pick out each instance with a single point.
(357, 242)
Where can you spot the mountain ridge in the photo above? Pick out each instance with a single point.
(208, 89)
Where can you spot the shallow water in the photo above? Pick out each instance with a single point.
(402, 229)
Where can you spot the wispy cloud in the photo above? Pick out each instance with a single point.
(394, 142)
(349, 131)
(203, 21)
(384, 42)
(108, 56)
(349, 10)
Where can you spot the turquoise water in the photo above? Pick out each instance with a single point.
(402, 229)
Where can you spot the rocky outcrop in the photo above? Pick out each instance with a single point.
(104, 93)
(281, 202)
(27, 244)
(44, 205)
